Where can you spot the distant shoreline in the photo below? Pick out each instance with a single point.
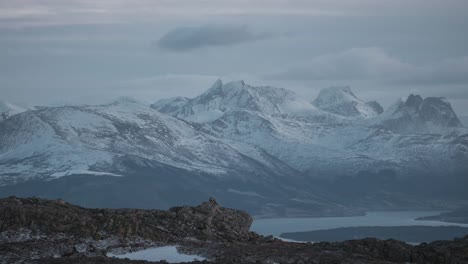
(404, 233)
(459, 216)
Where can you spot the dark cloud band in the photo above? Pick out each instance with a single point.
(188, 38)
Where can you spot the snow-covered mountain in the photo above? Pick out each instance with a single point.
(341, 134)
(109, 147)
(223, 98)
(415, 114)
(263, 149)
(8, 109)
(94, 138)
(342, 101)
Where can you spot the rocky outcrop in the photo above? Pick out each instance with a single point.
(211, 221)
(364, 251)
(376, 106)
(455, 251)
(438, 111)
(418, 114)
(34, 230)
(207, 221)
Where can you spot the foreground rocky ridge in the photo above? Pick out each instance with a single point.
(207, 221)
(34, 230)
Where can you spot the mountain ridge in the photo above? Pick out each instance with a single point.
(238, 95)
(342, 101)
(418, 114)
(265, 150)
(245, 124)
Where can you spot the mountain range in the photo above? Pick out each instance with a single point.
(262, 149)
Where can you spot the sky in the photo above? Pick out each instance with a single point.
(55, 52)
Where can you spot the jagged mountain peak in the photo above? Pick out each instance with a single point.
(337, 92)
(217, 84)
(239, 88)
(221, 90)
(126, 100)
(342, 101)
(413, 101)
(439, 112)
(234, 96)
(416, 113)
(171, 105)
(376, 106)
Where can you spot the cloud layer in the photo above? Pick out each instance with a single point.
(376, 64)
(188, 38)
(92, 51)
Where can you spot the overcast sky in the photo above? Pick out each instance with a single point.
(88, 51)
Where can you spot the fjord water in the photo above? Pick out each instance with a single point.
(277, 226)
(167, 253)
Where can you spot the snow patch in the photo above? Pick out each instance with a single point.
(81, 172)
(247, 193)
(300, 107)
(205, 116)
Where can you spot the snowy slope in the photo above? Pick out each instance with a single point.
(54, 141)
(342, 101)
(126, 154)
(344, 136)
(8, 109)
(170, 106)
(223, 98)
(418, 115)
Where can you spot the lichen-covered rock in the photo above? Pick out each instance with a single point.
(211, 221)
(389, 250)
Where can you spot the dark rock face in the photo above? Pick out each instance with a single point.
(376, 106)
(211, 221)
(418, 114)
(203, 222)
(394, 251)
(364, 251)
(43, 231)
(413, 101)
(455, 251)
(438, 111)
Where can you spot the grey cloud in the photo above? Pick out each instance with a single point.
(449, 71)
(375, 64)
(188, 38)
